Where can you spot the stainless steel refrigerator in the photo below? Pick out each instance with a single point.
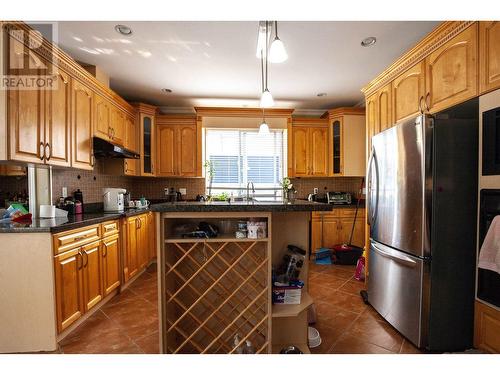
(422, 207)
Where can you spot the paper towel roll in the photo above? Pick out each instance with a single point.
(47, 211)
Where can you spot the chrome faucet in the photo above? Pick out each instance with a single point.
(248, 190)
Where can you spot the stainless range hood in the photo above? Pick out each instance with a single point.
(105, 149)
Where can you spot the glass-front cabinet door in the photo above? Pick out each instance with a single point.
(147, 144)
(337, 145)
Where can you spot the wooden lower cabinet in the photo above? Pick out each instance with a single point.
(132, 264)
(110, 263)
(333, 228)
(92, 274)
(486, 328)
(69, 288)
(151, 224)
(143, 241)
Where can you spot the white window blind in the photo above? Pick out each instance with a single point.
(241, 156)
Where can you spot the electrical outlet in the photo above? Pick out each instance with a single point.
(364, 191)
(315, 191)
(183, 191)
(64, 191)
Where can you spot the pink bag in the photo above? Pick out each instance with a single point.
(360, 269)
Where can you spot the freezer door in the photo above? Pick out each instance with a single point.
(395, 285)
(397, 184)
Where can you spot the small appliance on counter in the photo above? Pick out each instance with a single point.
(113, 199)
(339, 197)
(172, 195)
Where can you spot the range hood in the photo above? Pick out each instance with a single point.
(105, 149)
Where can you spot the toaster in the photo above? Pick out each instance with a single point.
(339, 197)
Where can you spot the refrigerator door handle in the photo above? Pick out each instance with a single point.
(400, 258)
(372, 212)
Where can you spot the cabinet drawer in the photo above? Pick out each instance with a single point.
(78, 237)
(109, 228)
(350, 212)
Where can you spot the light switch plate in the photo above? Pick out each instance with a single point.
(64, 191)
(315, 191)
(183, 191)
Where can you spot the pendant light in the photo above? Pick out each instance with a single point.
(263, 128)
(266, 99)
(277, 53)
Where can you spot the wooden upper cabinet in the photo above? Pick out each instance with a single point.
(69, 288)
(178, 141)
(408, 93)
(82, 117)
(371, 119)
(318, 151)
(102, 128)
(384, 108)
(117, 126)
(300, 151)
(188, 149)
(451, 71)
(26, 128)
(131, 134)
(110, 263)
(489, 55)
(166, 146)
(58, 121)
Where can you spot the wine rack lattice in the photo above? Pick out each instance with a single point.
(215, 290)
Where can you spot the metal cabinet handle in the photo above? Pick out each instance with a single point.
(79, 256)
(126, 166)
(105, 250)
(427, 98)
(47, 145)
(86, 258)
(420, 108)
(79, 238)
(41, 151)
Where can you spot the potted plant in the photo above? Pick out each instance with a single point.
(288, 191)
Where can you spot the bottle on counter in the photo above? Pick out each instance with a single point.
(78, 195)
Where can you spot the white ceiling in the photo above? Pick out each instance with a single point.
(214, 63)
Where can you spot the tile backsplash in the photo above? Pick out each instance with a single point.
(304, 186)
(91, 184)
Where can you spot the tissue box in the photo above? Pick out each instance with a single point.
(288, 295)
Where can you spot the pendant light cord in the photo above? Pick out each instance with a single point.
(267, 32)
(262, 69)
(276, 29)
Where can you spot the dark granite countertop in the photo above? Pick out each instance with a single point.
(61, 224)
(271, 206)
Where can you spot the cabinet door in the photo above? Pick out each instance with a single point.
(92, 274)
(337, 146)
(130, 167)
(131, 134)
(489, 55)
(151, 236)
(318, 151)
(69, 292)
(300, 154)
(451, 71)
(26, 131)
(147, 145)
(166, 146)
(187, 149)
(486, 328)
(117, 126)
(132, 259)
(82, 126)
(57, 121)
(102, 118)
(384, 111)
(408, 92)
(371, 120)
(143, 242)
(110, 263)
(316, 231)
(331, 234)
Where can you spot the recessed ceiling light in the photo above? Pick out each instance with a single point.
(369, 41)
(322, 94)
(167, 91)
(124, 30)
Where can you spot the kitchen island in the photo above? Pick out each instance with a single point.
(215, 293)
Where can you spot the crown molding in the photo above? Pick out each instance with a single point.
(434, 40)
(242, 112)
